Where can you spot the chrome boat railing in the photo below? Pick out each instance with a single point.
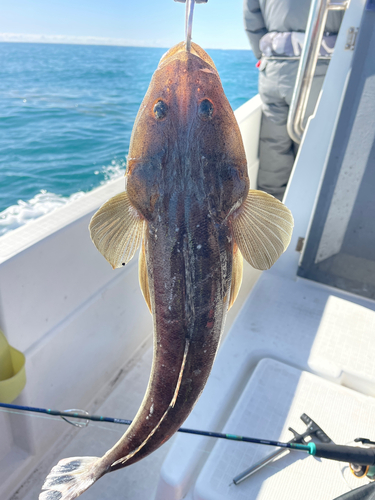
(306, 69)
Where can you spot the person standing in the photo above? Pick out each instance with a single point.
(275, 29)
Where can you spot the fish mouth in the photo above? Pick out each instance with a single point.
(180, 52)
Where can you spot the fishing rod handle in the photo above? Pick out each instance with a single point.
(351, 454)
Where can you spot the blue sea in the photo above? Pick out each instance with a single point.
(66, 116)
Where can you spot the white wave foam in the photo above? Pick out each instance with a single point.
(44, 202)
(113, 171)
(25, 211)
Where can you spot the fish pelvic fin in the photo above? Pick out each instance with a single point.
(116, 230)
(262, 229)
(71, 477)
(143, 277)
(237, 272)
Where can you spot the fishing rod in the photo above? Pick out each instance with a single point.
(350, 454)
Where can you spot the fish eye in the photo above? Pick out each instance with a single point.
(160, 110)
(205, 110)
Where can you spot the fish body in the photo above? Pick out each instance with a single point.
(187, 203)
(184, 186)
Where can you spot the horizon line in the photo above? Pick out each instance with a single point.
(92, 40)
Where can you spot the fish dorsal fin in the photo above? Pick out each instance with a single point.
(116, 230)
(143, 277)
(262, 228)
(237, 270)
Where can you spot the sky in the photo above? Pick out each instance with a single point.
(150, 23)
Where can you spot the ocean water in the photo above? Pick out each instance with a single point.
(66, 116)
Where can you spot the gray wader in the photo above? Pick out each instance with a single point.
(262, 20)
(276, 149)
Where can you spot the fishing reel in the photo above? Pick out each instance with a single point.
(357, 475)
(362, 471)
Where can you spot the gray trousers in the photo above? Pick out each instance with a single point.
(276, 149)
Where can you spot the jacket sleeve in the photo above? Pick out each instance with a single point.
(254, 24)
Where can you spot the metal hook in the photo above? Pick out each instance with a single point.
(85, 422)
(189, 22)
(189, 19)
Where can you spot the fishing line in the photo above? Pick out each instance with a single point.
(56, 419)
(34, 416)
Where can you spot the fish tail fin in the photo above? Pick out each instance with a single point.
(71, 477)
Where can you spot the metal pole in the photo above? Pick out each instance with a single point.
(306, 69)
(189, 19)
(189, 23)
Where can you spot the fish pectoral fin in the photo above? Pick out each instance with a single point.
(262, 228)
(237, 270)
(143, 277)
(116, 230)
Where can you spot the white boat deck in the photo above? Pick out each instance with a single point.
(136, 482)
(259, 386)
(273, 400)
(299, 326)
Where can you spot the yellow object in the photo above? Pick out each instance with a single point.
(12, 371)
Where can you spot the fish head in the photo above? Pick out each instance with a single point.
(186, 138)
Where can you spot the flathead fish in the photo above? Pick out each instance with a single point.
(187, 204)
